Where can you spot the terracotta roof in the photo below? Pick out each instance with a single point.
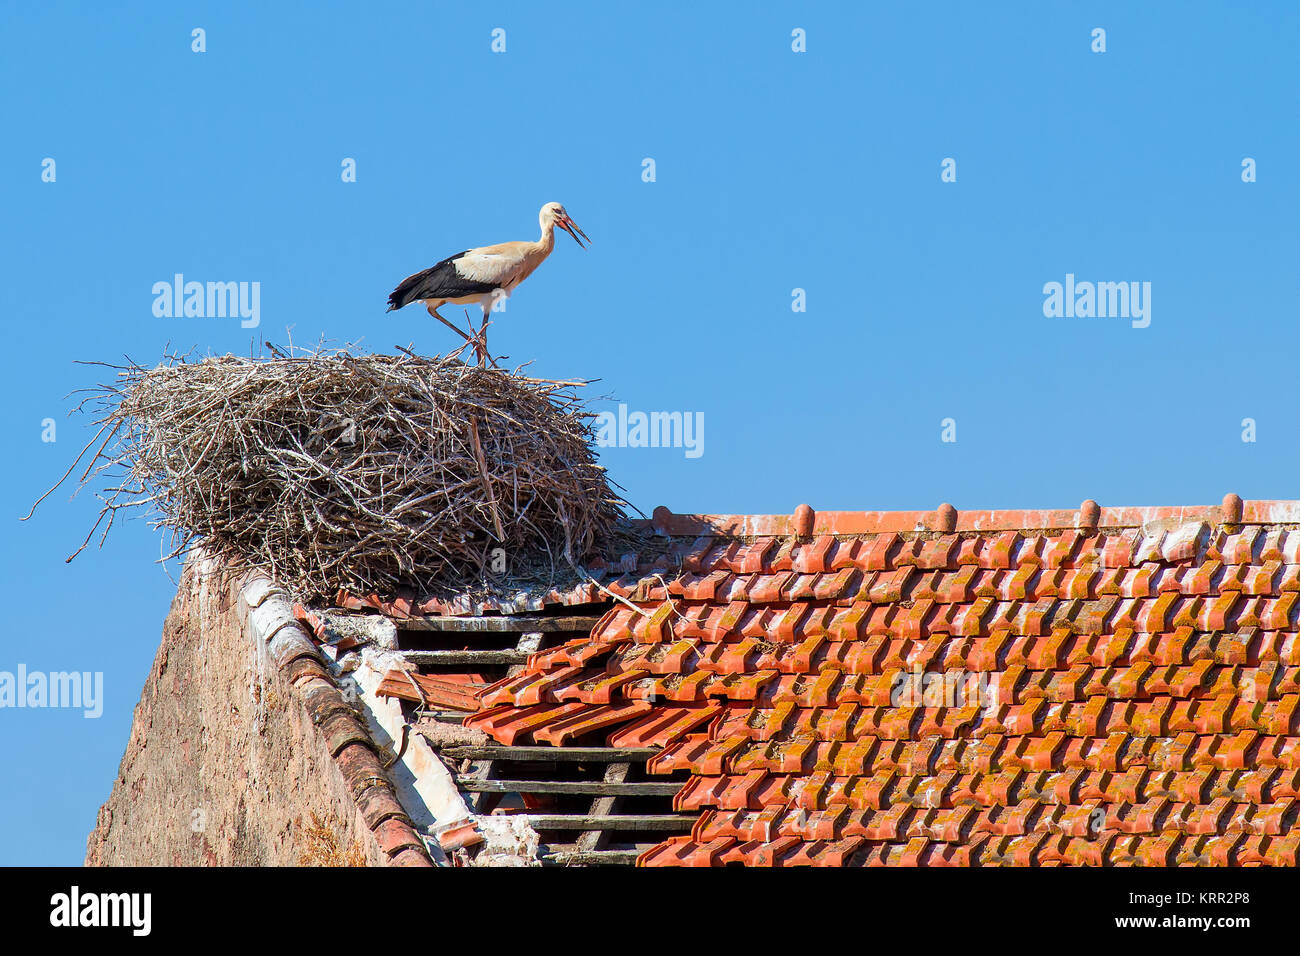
(1100, 686)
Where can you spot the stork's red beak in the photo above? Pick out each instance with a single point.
(568, 225)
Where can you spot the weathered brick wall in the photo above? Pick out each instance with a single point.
(223, 766)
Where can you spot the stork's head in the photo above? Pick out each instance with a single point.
(553, 214)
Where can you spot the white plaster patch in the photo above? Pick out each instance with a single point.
(258, 590)
(270, 616)
(1148, 548)
(509, 840)
(1184, 541)
(364, 628)
(1290, 546)
(1282, 512)
(425, 787)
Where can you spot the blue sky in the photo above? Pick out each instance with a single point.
(774, 171)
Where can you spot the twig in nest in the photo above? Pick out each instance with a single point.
(487, 479)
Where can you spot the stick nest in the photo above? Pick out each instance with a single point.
(334, 470)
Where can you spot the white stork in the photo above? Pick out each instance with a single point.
(484, 274)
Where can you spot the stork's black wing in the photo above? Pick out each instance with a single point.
(440, 281)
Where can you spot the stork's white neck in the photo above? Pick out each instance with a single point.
(547, 242)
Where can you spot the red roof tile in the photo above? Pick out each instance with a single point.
(1094, 687)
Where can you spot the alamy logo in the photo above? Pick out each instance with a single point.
(210, 300)
(943, 689)
(626, 429)
(1102, 300)
(58, 689)
(74, 908)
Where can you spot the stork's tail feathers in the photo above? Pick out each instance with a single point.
(402, 295)
(411, 289)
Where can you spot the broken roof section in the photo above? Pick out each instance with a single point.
(1094, 687)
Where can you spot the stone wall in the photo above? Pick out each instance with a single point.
(223, 766)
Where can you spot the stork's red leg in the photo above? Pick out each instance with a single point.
(434, 312)
(482, 338)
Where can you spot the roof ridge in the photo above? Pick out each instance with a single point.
(1089, 515)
